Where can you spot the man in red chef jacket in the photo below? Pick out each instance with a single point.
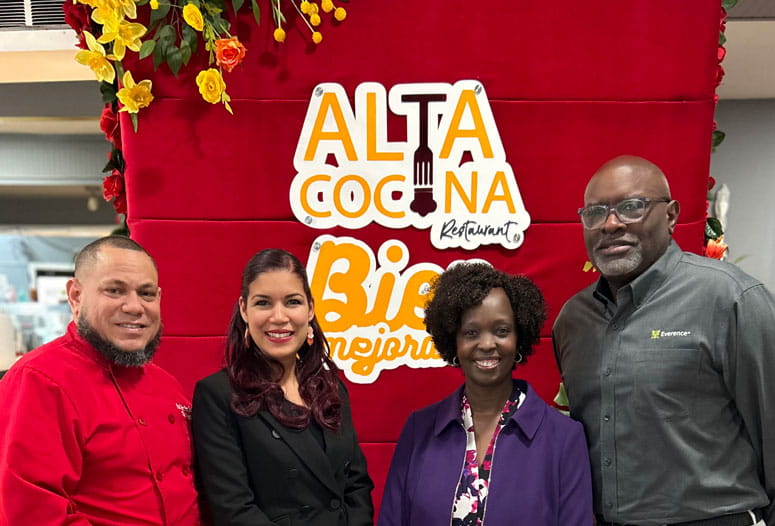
(91, 432)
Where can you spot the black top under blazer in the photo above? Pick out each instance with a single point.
(257, 472)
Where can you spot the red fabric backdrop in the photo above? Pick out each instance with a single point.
(571, 84)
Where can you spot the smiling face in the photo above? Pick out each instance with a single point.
(622, 252)
(487, 341)
(118, 298)
(278, 314)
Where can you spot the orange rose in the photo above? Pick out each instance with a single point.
(229, 52)
(715, 248)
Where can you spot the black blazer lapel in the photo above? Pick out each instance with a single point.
(306, 448)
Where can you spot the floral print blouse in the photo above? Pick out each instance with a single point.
(471, 493)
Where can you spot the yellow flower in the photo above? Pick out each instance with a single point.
(106, 12)
(279, 34)
(313, 8)
(305, 7)
(211, 85)
(340, 13)
(314, 20)
(327, 5)
(96, 59)
(134, 96)
(123, 35)
(154, 4)
(317, 37)
(193, 17)
(112, 9)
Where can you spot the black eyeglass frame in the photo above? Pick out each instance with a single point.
(615, 209)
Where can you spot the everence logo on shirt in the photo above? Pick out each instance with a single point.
(658, 333)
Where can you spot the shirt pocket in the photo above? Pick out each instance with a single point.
(666, 382)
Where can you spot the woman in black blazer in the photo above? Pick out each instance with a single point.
(273, 435)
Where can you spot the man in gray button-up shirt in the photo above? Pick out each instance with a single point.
(669, 362)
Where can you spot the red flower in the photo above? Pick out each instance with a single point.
(711, 181)
(119, 204)
(721, 53)
(109, 125)
(719, 74)
(229, 52)
(715, 248)
(113, 185)
(78, 16)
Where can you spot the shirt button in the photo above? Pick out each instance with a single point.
(334, 504)
(159, 476)
(607, 462)
(606, 417)
(171, 418)
(142, 421)
(607, 371)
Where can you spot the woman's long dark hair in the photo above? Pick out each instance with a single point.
(254, 375)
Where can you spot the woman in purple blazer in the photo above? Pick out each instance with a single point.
(491, 453)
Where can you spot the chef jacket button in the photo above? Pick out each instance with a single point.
(171, 418)
(306, 508)
(142, 421)
(606, 417)
(334, 504)
(275, 434)
(607, 462)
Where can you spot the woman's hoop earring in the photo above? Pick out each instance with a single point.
(518, 358)
(455, 362)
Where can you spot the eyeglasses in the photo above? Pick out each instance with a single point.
(627, 211)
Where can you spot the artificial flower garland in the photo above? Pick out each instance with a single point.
(107, 30)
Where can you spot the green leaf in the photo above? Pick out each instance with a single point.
(174, 59)
(108, 92)
(722, 39)
(237, 4)
(713, 228)
(161, 13)
(109, 166)
(166, 36)
(147, 48)
(211, 9)
(190, 36)
(185, 51)
(728, 4)
(119, 71)
(718, 138)
(256, 11)
(561, 398)
(158, 57)
(133, 118)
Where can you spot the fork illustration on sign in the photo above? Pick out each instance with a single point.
(423, 202)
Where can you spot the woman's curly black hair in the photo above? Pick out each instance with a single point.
(464, 286)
